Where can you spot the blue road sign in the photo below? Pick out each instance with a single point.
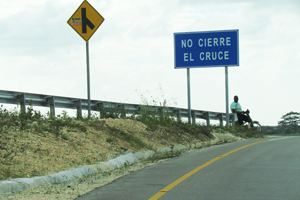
(206, 49)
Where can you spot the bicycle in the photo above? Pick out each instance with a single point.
(255, 125)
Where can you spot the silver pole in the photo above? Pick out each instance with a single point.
(189, 95)
(88, 79)
(227, 96)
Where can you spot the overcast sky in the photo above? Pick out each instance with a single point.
(132, 52)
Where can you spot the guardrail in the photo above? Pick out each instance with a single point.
(103, 107)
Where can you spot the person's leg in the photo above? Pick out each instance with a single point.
(242, 118)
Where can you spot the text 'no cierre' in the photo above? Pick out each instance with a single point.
(203, 49)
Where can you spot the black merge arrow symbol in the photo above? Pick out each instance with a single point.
(85, 21)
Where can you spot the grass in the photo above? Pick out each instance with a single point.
(117, 133)
(23, 133)
(158, 119)
(31, 118)
(154, 120)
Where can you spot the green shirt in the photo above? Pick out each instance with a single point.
(236, 106)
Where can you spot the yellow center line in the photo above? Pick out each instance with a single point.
(181, 179)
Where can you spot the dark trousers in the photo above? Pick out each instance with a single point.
(243, 118)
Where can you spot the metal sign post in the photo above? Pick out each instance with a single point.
(85, 21)
(227, 96)
(189, 95)
(88, 79)
(206, 49)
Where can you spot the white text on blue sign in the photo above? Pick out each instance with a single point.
(203, 49)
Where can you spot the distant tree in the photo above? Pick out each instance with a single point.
(291, 122)
(291, 118)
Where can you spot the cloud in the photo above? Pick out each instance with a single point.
(133, 50)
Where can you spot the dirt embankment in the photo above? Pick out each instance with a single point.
(40, 151)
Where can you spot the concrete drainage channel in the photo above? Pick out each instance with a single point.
(21, 184)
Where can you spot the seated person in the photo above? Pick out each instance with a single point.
(240, 115)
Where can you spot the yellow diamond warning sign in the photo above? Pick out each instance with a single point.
(86, 20)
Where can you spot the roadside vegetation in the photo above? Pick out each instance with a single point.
(32, 144)
(289, 125)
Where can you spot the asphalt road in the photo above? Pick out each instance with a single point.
(266, 170)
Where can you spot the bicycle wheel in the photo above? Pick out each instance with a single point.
(256, 126)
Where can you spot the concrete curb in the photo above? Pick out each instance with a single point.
(20, 184)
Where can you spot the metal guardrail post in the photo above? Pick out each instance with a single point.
(220, 119)
(160, 112)
(21, 99)
(207, 116)
(231, 119)
(139, 110)
(78, 106)
(121, 109)
(193, 117)
(51, 103)
(100, 107)
(178, 114)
